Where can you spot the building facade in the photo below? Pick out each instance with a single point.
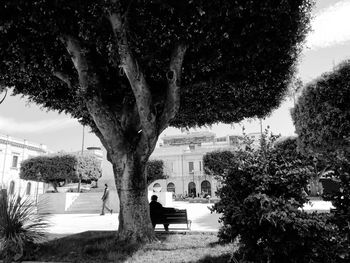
(12, 152)
(183, 162)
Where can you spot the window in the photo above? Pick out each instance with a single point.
(200, 165)
(190, 167)
(157, 187)
(28, 189)
(221, 139)
(14, 161)
(12, 188)
(170, 166)
(170, 187)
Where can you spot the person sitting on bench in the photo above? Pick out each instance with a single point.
(157, 212)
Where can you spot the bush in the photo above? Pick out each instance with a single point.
(261, 194)
(20, 227)
(59, 168)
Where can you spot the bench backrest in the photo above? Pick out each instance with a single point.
(175, 216)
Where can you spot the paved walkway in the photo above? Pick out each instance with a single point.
(202, 219)
(65, 224)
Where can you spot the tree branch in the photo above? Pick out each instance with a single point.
(135, 76)
(103, 117)
(172, 103)
(63, 77)
(79, 60)
(1, 90)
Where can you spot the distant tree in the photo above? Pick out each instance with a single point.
(60, 168)
(322, 113)
(217, 162)
(129, 69)
(314, 167)
(155, 170)
(295, 87)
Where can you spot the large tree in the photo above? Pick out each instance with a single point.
(129, 69)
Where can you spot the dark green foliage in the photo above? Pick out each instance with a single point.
(20, 226)
(322, 120)
(63, 167)
(218, 162)
(315, 166)
(260, 196)
(230, 72)
(287, 147)
(155, 171)
(322, 113)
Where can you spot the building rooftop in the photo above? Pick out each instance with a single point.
(22, 143)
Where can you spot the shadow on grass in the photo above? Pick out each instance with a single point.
(90, 246)
(215, 259)
(101, 246)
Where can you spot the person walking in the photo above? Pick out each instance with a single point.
(105, 199)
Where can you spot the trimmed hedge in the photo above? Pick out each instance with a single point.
(62, 167)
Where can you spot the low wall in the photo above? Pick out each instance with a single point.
(55, 203)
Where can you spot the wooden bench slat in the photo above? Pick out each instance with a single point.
(174, 217)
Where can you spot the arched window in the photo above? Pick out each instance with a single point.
(192, 189)
(206, 188)
(28, 189)
(12, 188)
(170, 187)
(157, 187)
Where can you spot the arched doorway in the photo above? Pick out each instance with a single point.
(170, 187)
(157, 187)
(192, 189)
(12, 188)
(206, 188)
(28, 189)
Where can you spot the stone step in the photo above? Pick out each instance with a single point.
(90, 202)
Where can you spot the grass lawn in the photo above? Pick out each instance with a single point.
(100, 246)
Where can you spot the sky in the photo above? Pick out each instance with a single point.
(326, 46)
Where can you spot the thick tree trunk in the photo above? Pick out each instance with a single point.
(134, 218)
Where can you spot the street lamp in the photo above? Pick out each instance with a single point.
(82, 153)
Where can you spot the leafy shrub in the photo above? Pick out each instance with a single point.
(20, 226)
(261, 194)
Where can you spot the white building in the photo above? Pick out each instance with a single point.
(183, 161)
(12, 152)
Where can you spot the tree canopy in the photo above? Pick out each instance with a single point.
(239, 54)
(58, 168)
(322, 113)
(129, 69)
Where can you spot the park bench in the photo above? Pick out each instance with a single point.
(173, 216)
